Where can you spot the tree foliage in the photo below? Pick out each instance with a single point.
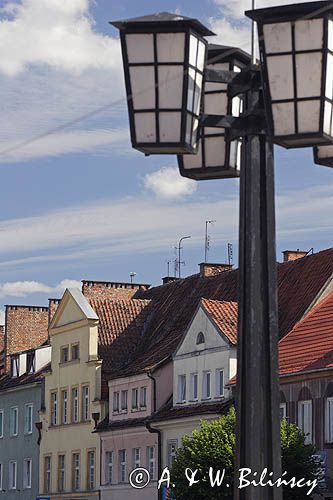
(213, 445)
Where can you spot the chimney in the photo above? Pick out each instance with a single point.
(110, 289)
(26, 328)
(207, 270)
(53, 306)
(289, 255)
(169, 279)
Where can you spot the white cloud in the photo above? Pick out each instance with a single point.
(25, 288)
(231, 34)
(167, 183)
(236, 8)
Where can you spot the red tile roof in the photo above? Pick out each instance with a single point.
(224, 315)
(309, 345)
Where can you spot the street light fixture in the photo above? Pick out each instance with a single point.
(323, 155)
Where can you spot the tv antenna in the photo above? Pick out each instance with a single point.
(230, 254)
(132, 276)
(207, 238)
(178, 261)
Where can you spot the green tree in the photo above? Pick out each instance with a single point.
(213, 445)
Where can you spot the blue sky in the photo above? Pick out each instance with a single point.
(79, 203)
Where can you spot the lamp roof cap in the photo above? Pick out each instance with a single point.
(291, 12)
(226, 52)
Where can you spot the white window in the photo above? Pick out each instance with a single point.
(329, 421)
(12, 475)
(283, 410)
(61, 472)
(15, 365)
(193, 386)
(54, 408)
(136, 458)
(151, 461)
(75, 351)
(108, 467)
(143, 397)
(172, 450)
(75, 405)
(64, 407)
(135, 398)
(28, 418)
(27, 468)
(219, 383)
(116, 402)
(1, 475)
(122, 466)
(64, 354)
(14, 421)
(1, 423)
(181, 388)
(305, 419)
(76, 471)
(47, 474)
(31, 362)
(206, 385)
(85, 404)
(91, 470)
(124, 400)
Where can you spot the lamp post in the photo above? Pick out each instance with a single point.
(179, 250)
(221, 116)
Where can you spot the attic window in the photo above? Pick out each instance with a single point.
(15, 365)
(200, 338)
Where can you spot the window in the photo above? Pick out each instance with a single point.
(12, 475)
(31, 362)
(124, 400)
(61, 472)
(1, 423)
(15, 365)
(172, 449)
(108, 467)
(151, 461)
(47, 474)
(75, 404)
(116, 402)
(76, 471)
(1, 475)
(143, 397)
(91, 470)
(64, 407)
(200, 338)
(219, 383)
(64, 354)
(75, 352)
(206, 382)
(14, 421)
(329, 421)
(54, 408)
(283, 410)
(181, 388)
(136, 458)
(28, 417)
(85, 404)
(122, 466)
(194, 386)
(135, 398)
(305, 419)
(27, 466)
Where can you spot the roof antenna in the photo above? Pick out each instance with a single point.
(207, 238)
(132, 276)
(230, 254)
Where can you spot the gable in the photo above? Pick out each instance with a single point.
(73, 308)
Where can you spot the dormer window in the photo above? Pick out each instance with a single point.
(15, 365)
(200, 338)
(31, 356)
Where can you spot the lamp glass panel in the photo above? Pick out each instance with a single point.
(191, 86)
(140, 48)
(235, 151)
(237, 106)
(308, 71)
(193, 50)
(210, 131)
(216, 104)
(280, 74)
(330, 35)
(309, 34)
(188, 135)
(201, 56)
(325, 152)
(170, 86)
(197, 93)
(277, 37)
(328, 118)
(308, 116)
(170, 47)
(284, 118)
(329, 77)
(145, 126)
(193, 161)
(194, 140)
(143, 87)
(169, 124)
(214, 151)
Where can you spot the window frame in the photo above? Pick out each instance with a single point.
(171, 454)
(2, 418)
(47, 473)
(136, 461)
(85, 403)
(124, 401)
(13, 428)
(328, 431)
(219, 390)
(63, 349)
(1, 476)
(122, 466)
(194, 377)
(75, 346)
(91, 470)
(12, 485)
(61, 472)
(54, 408)
(206, 374)
(27, 481)
(135, 399)
(64, 407)
(15, 362)
(143, 397)
(75, 405)
(28, 423)
(181, 388)
(76, 471)
(32, 368)
(116, 399)
(301, 405)
(151, 461)
(108, 467)
(283, 408)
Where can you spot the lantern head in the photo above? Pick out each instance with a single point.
(217, 156)
(296, 52)
(323, 155)
(164, 57)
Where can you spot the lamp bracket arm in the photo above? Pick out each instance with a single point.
(220, 76)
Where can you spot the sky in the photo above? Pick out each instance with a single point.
(76, 201)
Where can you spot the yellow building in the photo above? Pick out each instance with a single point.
(69, 450)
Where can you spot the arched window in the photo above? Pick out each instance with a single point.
(200, 338)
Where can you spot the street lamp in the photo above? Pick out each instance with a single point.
(218, 157)
(323, 155)
(164, 57)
